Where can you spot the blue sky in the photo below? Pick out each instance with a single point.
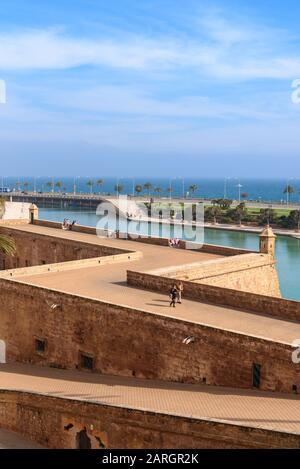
(150, 87)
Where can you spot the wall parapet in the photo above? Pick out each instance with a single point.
(71, 265)
(158, 241)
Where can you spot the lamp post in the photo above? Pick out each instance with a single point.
(225, 186)
(239, 186)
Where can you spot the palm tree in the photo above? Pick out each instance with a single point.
(288, 190)
(239, 212)
(193, 188)
(26, 184)
(58, 185)
(157, 190)
(49, 184)
(7, 244)
(118, 188)
(213, 212)
(90, 184)
(148, 186)
(138, 188)
(170, 190)
(99, 183)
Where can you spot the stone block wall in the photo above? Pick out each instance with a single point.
(263, 304)
(55, 423)
(127, 342)
(247, 272)
(36, 249)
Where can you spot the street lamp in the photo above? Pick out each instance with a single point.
(239, 186)
(225, 186)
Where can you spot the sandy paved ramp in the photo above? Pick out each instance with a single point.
(271, 411)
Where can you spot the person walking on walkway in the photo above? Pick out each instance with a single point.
(173, 296)
(179, 291)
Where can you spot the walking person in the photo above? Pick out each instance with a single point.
(179, 291)
(173, 296)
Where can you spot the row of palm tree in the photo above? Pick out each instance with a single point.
(138, 189)
(157, 189)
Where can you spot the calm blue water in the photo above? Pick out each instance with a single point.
(287, 249)
(257, 189)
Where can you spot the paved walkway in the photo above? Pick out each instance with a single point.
(241, 407)
(108, 283)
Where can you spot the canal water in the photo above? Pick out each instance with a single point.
(287, 249)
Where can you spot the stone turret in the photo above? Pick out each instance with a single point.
(33, 213)
(267, 241)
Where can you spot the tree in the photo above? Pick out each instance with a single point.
(99, 183)
(193, 188)
(223, 203)
(148, 186)
(58, 185)
(118, 188)
(293, 219)
(170, 190)
(288, 190)
(213, 212)
(138, 188)
(90, 184)
(157, 190)
(244, 195)
(7, 244)
(266, 216)
(26, 185)
(239, 212)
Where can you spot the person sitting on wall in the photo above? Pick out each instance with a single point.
(65, 224)
(174, 242)
(72, 224)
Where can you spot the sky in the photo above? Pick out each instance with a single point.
(150, 88)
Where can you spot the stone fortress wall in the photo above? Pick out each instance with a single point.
(128, 342)
(57, 421)
(124, 341)
(38, 249)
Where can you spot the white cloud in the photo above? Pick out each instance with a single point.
(219, 49)
(51, 50)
